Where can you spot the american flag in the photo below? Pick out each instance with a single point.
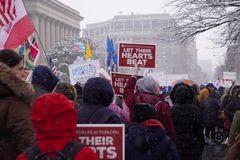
(52, 66)
(7, 12)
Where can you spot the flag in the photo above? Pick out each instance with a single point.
(80, 47)
(18, 28)
(111, 52)
(29, 49)
(115, 57)
(88, 52)
(7, 12)
(52, 65)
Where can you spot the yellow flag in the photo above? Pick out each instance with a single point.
(88, 52)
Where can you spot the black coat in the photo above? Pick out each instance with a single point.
(211, 109)
(189, 131)
(149, 143)
(97, 96)
(97, 114)
(232, 107)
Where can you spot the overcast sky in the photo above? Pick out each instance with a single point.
(101, 10)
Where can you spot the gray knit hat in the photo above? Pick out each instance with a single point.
(147, 84)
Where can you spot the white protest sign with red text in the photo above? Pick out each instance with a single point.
(119, 82)
(140, 55)
(106, 140)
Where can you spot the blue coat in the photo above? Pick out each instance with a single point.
(149, 143)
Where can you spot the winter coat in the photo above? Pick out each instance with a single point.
(43, 80)
(39, 90)
(235, 128)
(211, 109)
(54, 118)
(234, 151)
(232, 107)
(97, 114)
(132, 97)
(204, 93)
(148, 141)
(98, 95)
(16, 131)
(187, 122)
(123, 113)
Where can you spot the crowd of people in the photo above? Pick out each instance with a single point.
(41, 116)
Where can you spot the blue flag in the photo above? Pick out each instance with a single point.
(114, 57)
(110, 51)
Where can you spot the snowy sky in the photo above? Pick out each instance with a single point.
(101, 10)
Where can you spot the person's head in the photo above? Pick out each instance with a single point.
(148, 84)
(196, 89)
(67, 90)
(235, 91)
(54, 116)
(43, 76)
(182, 94)
(13, 60)
(143, 112)
(210, 87)
(79, 89)
(98, 91)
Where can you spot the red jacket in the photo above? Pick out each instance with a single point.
(54, 118)
(133, 96)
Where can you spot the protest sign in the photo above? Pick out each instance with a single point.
(119, 82)
(228, 78)
(106, 140)
(140, 55)
(82, 72)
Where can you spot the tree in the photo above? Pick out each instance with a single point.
(65, 53)
(197, 16)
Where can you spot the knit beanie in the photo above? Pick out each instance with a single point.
(67, 90)
(143, 112)
(147, 84)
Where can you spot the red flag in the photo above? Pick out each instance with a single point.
(7, 12)
(16, 31)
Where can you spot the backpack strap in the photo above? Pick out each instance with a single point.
(32, 152)
(71, 149)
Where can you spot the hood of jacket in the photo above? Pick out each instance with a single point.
(44, 77)
(98, 91)
(182, 94)
(146, 135)
(54, 116)
(150, 98)
(11, 84)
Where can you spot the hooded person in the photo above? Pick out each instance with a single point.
(146, 90)
(97, 96)
(204, 93)
(146, 138)
(55, 121)
(211, 113)
(187, 122)
(43, 80)
(233, 103)
(16, 129)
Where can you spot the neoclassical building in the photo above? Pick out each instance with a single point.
(53, 20)
(145, 28)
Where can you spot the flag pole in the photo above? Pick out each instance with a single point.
(42, 47)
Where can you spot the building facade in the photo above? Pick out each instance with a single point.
(52, 20)
(172, 57)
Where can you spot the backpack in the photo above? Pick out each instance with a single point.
(68, 152)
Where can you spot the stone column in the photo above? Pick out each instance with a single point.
(42, 31)
(36, 23)
(70, 31)
(57, 33)
(66, 30)
(61, 31)
(47, 34)
(52, 33)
